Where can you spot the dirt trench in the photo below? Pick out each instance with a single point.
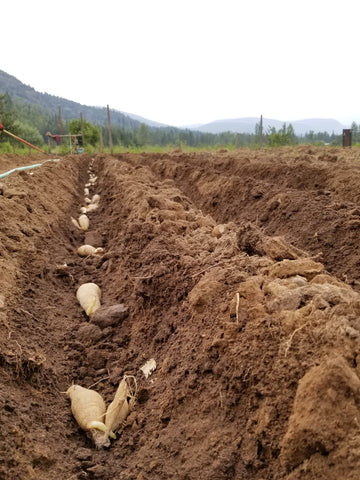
(255, 340)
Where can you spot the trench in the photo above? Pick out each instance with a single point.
(219, 402)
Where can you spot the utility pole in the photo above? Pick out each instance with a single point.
(109, 127)
(101, 140)
(82, 129)
(61, 128)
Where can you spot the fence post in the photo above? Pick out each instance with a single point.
(82, 129)
(346, 137)
(101, 141)
(61, 127)
(109, 127)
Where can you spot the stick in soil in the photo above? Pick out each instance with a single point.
(237, 306)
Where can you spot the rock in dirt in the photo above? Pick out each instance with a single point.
(110, 316)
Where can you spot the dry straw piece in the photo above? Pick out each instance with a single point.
(120, 407)
(148, 367)
(88, 295)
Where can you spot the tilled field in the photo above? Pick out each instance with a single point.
(238, 274)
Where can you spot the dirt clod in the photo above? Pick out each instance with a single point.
(110, 316)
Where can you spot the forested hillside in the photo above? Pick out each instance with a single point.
(49, 104)
(32, 115)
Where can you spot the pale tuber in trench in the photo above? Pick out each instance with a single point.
(88, 408)
(86, 250)
(88, 295)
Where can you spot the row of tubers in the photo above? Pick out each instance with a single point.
(88, 406)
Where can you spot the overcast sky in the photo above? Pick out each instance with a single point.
(184, 62)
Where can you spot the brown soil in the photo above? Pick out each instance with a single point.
(239, 274)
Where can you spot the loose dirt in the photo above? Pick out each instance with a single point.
(237, 273)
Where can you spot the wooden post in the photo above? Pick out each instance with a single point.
(82, 129)
(347, 137)
(109, 127)
(101, 141)
(61, 128)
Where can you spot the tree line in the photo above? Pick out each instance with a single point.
(32, 123)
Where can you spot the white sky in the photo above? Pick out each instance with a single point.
(190, 61)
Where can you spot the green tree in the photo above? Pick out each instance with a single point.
(143, 135)
(91, 133)
(284, 136)
(8, 117)
(29, 133)
(290, 132)
(355, 132)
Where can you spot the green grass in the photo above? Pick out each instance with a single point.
(7, 147)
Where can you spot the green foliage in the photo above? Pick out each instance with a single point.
(7, 117)
(64, 149)
(284, 136)
(91, 133)
(321, 138)
(5, 146)
(34, 115)
(355, 133)
(91, 149)
(28, 132)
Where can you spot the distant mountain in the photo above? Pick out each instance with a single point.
(69, 109)
(247, 125)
